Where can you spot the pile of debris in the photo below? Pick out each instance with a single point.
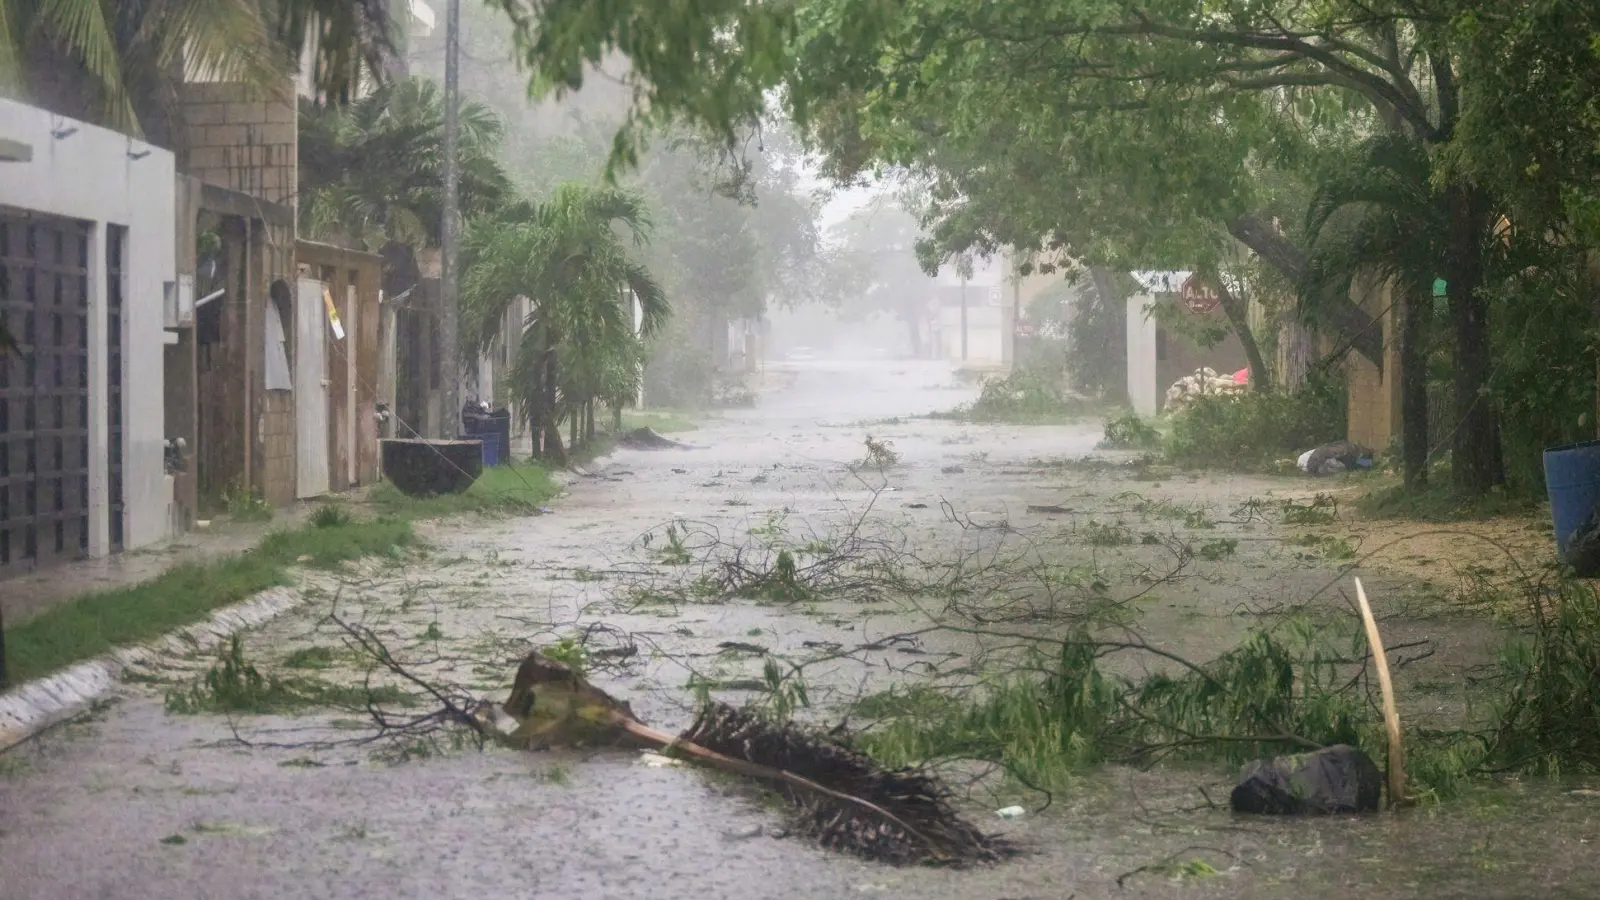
(647, 439)
(1204, 382)
(1335, 457)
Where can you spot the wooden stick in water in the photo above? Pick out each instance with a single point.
(1391, 716)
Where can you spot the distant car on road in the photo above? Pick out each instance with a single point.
(800, 354)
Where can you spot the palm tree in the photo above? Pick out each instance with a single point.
(372, 172)
(1378, 213)
(116, 62)
(570, 256)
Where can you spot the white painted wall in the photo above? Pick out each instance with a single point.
(1143, 392)
(92, 174)
(986, 326)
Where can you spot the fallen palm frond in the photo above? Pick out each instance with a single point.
(845, 801)
(900, 816)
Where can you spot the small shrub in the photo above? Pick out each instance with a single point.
(1026, 396)
(330, 515)
(1251, 431)
(1129, 432)
(1550, 721)
(246, 507)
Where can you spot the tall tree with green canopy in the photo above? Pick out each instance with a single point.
(566, 255)
(116, 62)
(371, 173)
(1143, 95)
(877, 269)
(1376, 213)
(1532, 130)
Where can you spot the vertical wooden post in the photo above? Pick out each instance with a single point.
(246, 320)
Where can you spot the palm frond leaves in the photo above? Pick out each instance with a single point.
(570, 257)
(1377, 212)
(123, 53)
(372, 172)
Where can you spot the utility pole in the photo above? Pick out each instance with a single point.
(449, 278)
(963, 318)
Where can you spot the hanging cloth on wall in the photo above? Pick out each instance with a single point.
(277, 358)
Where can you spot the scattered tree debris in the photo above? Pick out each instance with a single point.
(845, 801)
(647, 439)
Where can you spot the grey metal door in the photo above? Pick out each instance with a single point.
(311, 391)
(44, 391)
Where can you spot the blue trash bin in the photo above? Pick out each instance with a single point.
(1572, 479)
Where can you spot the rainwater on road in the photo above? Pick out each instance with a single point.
(137, 802)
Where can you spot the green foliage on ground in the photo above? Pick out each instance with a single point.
(1253, 431)
(1438, 502)
(234, 685)
(1284, 689)
(516, 489)
(1549, 718)
(94, 623)
(1273, 694)
(1130, 432)
(1032, 396)
(660, 421)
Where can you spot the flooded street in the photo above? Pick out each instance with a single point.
(138, 802)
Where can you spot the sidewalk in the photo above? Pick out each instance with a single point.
(25, 596)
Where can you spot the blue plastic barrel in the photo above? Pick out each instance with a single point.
(1572, 478)
(491, 450)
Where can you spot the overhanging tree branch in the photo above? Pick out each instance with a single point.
(1352, 323)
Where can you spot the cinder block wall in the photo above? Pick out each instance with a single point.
(239, 139)
(275, 430)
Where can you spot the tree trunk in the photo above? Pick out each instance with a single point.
(1473, 451)
(1418, 308)
(1296, 353)
(914, 331)
(1591, 282)
(1353, 325)
(1238, 312)
(1112, 377)
(616, 419)
(553, 451)
(574, 415)
(588, 423)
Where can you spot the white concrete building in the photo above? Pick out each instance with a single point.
(973, 317)
(1159, 354)
(87, 264)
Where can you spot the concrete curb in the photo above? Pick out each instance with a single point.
(38, 704)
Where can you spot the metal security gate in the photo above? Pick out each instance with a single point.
(44, 391)
(116, 246)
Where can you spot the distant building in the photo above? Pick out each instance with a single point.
(1160, 354)
(974, 317)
